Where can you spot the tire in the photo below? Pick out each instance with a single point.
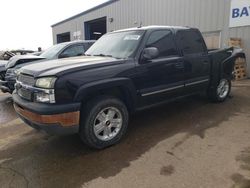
(97, 118)
(222, 90)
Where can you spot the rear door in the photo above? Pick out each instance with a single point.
(161, 78)
(196, 60)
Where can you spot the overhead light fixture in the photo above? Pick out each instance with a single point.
(97, 33)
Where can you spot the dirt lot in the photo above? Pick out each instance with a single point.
(190, 143)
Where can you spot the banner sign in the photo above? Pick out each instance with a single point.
(240, 13)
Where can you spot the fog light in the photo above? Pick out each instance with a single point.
(45, 97)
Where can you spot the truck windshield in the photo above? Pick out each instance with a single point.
(117, 45)
(51, 52)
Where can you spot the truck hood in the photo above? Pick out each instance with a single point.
(20, 59)
(60, 66)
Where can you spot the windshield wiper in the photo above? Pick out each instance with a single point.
(86, 54)
(103, 55)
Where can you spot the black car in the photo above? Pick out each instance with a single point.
(59, 51)
(123, 72)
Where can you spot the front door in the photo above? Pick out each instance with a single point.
(161, 78)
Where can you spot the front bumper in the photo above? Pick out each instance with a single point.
(54, 119)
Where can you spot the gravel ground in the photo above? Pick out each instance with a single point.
(186, 144)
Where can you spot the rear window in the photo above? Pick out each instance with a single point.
(190, 42)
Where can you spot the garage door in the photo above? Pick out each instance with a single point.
(212, 39)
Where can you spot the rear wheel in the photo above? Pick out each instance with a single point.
(104, 122)
(222, 91)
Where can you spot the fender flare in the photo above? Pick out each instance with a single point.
(227, 66)
(124, 83)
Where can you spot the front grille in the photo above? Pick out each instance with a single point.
(24, 93)
(25, 79)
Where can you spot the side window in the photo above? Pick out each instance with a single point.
(72, 51)
(164, 41)
(190, 42)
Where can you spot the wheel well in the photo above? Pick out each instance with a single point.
(118, 92)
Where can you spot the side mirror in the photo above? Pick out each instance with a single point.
(150, 53)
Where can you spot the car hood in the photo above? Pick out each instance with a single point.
(61, 66)
(20, 59)
(3, 62)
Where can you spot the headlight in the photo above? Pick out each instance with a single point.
(46, 96)
(11, 74)
(10, 71)
(46, 82)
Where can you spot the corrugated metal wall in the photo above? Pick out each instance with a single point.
(207, 15)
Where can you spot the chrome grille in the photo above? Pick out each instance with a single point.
(26, 79)
(23, 91)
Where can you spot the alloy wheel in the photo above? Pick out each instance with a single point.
(108, 123)
(223, 88)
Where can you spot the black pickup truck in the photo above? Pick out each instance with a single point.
(123, 72)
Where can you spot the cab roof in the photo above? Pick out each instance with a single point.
(153, 27)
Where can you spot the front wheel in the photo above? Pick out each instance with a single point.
(104, 122)
(222, 91)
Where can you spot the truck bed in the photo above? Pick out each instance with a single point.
(223, 59)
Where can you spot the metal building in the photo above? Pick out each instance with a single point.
(218, 20)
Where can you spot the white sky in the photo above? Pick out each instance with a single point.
(26, 24)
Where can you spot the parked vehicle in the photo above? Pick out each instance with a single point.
(63, 50)
(6, 55)
(22, 52)
(2, 69)
(123, 72)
